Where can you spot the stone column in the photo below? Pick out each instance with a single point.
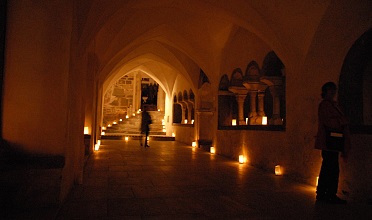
(161, 99)
(190, 106)
(240, 99)
(253, 111)
(275, 120)
(261, 111)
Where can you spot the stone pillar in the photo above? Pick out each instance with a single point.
(190, 106)
(275, 120)
(161, 99)
(184, 107)
(261, 111)
(240, 99)
(253, 112)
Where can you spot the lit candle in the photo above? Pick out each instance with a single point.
(233, 122)
(86, 130)
(246, 121)
(164, 130)
(134, 114)
(173, 135)
(126, 138)
(103, 133)
(109, 125)
(121, 120)
(127, 116)
(99, 142)
(96, 147)
(213, 150)
(264, 120)
(193, 144)
(114, 123)
(158, 109)
(103, 128)
(192, 121)
(185, 121)
(278, 170)
(241, 159)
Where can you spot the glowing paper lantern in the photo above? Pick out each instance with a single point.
(213, 150)
(264, 120)
(278, 170)
(241, 159)
(193, 144)
(233, 122)
(86, 130)
(96, 147)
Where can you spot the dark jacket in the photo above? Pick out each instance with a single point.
(330, 117)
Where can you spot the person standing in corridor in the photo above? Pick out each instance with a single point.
(145, 128)
(331, 123)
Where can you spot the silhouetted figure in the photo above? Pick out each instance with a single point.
(145, 129)
(330, 119)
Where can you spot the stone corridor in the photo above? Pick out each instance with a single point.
(170, 180)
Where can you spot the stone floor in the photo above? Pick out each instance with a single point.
(170, 180)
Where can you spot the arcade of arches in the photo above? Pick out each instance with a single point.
(241, 76)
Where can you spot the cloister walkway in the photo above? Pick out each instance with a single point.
(170, 180)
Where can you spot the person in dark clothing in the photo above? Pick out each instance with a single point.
(145, 128)
(330, 117)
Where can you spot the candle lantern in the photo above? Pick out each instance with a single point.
(278, 170)
(193, 144)
(185, 121)
(173, 135)
(103, 133)
(213, 150)
(126, 138)
(233, 122)
(241, 159)
(86, 130)
(264, 120)
(96, 147)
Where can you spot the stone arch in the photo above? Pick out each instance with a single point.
(237, 78)
(355, 79)
(224, 83)
(252, 72)
(272, 65)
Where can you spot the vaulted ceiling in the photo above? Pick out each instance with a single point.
(169, 39)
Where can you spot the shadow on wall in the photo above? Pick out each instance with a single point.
(28, 180)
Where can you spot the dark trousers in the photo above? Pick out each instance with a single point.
(328, 177)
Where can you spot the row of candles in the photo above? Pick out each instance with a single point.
(242, 159)
(264, 121)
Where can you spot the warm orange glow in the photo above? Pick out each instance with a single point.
(185, 121)
(103, 133)
(213, 150)
(246, 121)
(114, 122)
(86, 130)
(96, 147)
(317, 180)
(109, 125)
(164, 130)
(193, 144)
(148, 138)
(233, 122)
(192, 121)
(126, 138)
(241, 159)
(103, 128)
(264, 120)
(278, 170)
(158, 109)
(134, 114)
(120, 119)
(99, 142)
(173, 135)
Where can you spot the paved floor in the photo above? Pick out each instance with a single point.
(170, 180)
